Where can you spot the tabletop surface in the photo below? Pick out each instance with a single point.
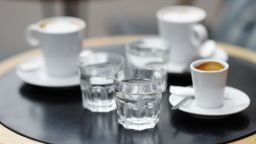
(7, 136)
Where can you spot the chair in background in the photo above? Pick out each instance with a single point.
(238, 23)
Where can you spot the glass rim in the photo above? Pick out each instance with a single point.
(93, 54)
(146, 38)
(156, 81)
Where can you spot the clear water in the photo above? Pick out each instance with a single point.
(98, 93)
(138, 111)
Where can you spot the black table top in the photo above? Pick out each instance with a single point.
(55, 115)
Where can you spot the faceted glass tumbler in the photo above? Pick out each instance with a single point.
(149, 52)
(159, 67)
(97, 71)
(138, 97)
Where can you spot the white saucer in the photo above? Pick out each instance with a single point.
(32, 71)
(218, 54)
(234, 101)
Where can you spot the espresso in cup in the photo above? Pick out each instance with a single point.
(209, 81)
(60, 25)
(210, 66)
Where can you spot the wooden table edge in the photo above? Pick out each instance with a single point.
(9, 137)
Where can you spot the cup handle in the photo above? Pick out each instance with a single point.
(207, 49)
(31, 37)
(199, 35)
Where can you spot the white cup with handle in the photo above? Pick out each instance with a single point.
(60, 38)
(180, 25)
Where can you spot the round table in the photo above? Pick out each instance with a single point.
(9, 137)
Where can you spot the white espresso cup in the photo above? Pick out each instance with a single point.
(209, 85)
(180, 25)
(61, 41)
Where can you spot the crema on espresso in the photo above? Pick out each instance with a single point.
(60, 26)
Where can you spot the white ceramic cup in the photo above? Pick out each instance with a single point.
(61, 41)
(209, 86)
(180, 25)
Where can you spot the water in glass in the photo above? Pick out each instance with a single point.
(97, 83)
(138, 103)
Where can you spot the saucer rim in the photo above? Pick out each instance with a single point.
(37, 81)
(216, 115)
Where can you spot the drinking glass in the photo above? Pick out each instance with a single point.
(138, 97)
(159, 67)
(97, 72)
(149, 52)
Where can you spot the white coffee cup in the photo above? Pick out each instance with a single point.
(61, 41)
(180, 25)
(209, 86)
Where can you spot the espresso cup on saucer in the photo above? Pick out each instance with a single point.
(180, 25)
(61, 41)
(209, 78)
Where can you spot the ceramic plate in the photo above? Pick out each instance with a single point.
(234, 101)
(33, 72)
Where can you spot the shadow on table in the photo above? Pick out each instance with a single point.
(50, 111)
(222, 127)
(99, 127)
(150, 136)
(51, 95)
(183, 79)
(60, 109)
(103, 127)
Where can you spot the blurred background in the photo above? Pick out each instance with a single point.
(230, 21)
